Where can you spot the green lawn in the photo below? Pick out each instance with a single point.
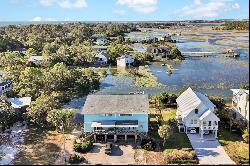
(178, 141)
(234, 146)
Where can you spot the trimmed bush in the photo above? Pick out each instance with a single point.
(148, 144)
(83, 147)
(75, 159)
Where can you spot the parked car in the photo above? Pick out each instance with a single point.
(193, 131)
(108, 149)
(206, 132)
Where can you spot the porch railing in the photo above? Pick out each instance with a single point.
(115, 131)
(209, 127)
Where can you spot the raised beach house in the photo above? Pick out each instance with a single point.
(240, 104)
(116, 117)
(125, 60)
(196, 112)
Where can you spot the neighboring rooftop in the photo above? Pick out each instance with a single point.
(20, 102)
(237, 91)
(121, 104)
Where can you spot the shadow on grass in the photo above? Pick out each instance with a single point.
(226, 135)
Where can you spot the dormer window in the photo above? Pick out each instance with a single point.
(196, 111)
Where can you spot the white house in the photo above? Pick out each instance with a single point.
(125, 60)
(4, 87)
(196, 112)
(101, 41)
(240, 103)
(102, 58)
(35, 59)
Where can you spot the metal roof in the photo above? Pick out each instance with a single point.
(190, 99)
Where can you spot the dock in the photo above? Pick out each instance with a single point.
(207, 54)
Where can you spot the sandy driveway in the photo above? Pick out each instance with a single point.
(121, 155)
(209, 151)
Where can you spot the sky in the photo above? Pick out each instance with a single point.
(122, 10)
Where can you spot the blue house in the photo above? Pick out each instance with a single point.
(116, 117)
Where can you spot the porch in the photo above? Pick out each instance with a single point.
(116, 130)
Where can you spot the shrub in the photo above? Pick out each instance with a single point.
(83, 147)
(181, 157)
(245, 136)
(148, 144)
(75, 159)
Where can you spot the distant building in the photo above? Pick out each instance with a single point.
(4, 87)
(162, 52)
(196, 112)
(116, 117)
(36, 59)
(167, 39)
(19, 104)
(21, 51)
(240, 104)
(125, 60)
(101, 41)
(101, 58)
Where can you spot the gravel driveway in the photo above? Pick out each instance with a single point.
(209, 150)
(121, 155)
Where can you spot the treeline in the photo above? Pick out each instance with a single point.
(160, 25)
(38, 36)
(236, 25)
(50, 87)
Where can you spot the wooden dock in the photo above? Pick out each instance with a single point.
(207, 54)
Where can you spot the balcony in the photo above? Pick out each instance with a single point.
(115, 131)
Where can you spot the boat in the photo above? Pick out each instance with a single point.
(164, 64)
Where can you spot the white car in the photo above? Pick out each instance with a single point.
(193, 131)
(206, 132)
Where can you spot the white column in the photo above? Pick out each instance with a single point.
(115, 138)
(186, 129)
(135, 137)
(126, 137)
(106, 138)
(201, 134)
(215, 134)
(95, 138)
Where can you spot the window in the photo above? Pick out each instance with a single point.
(192, 121)
(204, 122)
(196, 111)
(195, 121)
(125, 114)
(209, 123)
(215, 122)
(240, 109)
(106, 114)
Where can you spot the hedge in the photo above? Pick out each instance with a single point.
(83, 147)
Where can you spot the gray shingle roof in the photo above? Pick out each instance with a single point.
(121, 104)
